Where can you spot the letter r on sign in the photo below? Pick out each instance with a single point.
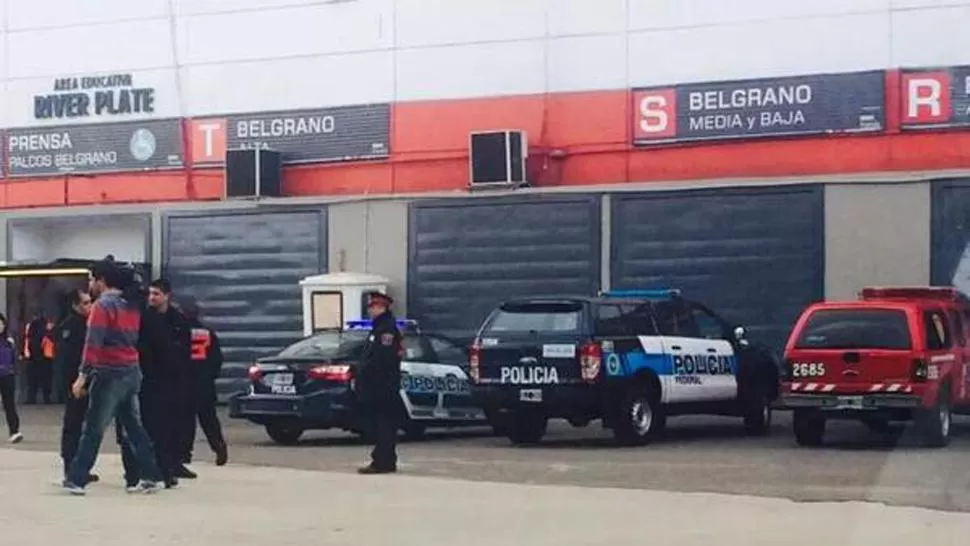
(926, 97)
(654, 114)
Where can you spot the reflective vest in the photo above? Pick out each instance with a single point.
(26, 350)
(46, 343)
(201, 341)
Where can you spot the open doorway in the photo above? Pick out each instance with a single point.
(43, 292)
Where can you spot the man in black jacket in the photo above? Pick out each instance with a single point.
(206, 365)
(379, 384)
(164, 346)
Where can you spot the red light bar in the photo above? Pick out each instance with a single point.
(909, 293)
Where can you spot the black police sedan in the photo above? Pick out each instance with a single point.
(310, 385)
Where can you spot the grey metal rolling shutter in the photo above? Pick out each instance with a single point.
(244, 268)
(755, 255)
(950, 235)
(467, 255)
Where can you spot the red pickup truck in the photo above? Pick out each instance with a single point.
(896, 354)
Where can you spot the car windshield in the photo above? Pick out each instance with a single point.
(536, 317)
(856, 329)
(327, 345)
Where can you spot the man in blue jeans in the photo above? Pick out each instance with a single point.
(111, 376)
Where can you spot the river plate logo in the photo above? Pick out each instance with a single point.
(142, 144)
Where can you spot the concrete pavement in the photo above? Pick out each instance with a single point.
(243, 506)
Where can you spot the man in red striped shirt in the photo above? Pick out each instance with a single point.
(111, 375)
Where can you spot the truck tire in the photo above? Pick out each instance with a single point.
(639, 417)
(526, 427)
(284, 434)
(809, 427)
(933, 424)
(757, 416)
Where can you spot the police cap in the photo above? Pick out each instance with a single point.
(379, 298)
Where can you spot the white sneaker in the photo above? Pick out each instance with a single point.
(17, 438)
(146, 487)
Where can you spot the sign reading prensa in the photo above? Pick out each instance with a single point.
(104, 147)
(302, 136)
(87, 96)
(802, 105)
(935, 98)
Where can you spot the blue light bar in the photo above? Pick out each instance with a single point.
(402, 324)
(655, 294)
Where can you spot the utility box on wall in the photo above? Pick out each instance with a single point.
(253, 174)
(498, 159)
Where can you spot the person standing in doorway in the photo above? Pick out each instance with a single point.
(111, 377)
(206, 365)
(39, 356)
(379, 384)
(165, 356)
(8, 382)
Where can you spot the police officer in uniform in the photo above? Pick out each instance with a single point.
(206, 365)
(69, 346)
(379, 384)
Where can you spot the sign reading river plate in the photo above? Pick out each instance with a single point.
(98, 148)
(302, 136)
(801, 105)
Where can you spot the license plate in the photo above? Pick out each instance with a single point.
(281, 379)
(849, 402)
(530, 395)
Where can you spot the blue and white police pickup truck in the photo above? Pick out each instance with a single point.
(310, 385)
(628, 358)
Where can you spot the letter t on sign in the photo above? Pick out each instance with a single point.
(208, 140)
(926, 97)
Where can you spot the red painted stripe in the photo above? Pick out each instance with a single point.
(592, 131)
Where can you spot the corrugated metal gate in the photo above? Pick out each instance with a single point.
(466, 255)
(950, 235)
(755, 255)
(244, 268)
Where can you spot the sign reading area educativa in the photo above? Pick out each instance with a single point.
(113, 95)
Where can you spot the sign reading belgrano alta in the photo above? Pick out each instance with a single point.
(104, 147)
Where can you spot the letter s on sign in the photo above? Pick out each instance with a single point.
(653, 114)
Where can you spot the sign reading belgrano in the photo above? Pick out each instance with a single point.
(304, 136)
(107, 147)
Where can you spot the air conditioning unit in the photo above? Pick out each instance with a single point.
(498, 159)
(253, 174)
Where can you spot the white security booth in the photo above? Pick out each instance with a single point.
(332, 299)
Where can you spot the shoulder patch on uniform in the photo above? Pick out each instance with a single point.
(387, 339)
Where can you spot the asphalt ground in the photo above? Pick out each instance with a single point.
(698, 454)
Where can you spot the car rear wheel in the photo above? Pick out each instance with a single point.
(809, 427)
(527, 427)
(933, 424)
(757, 417)
(284, 434)
(639, 418)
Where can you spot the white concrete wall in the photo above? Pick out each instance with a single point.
(224, 56)
(126, 237)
